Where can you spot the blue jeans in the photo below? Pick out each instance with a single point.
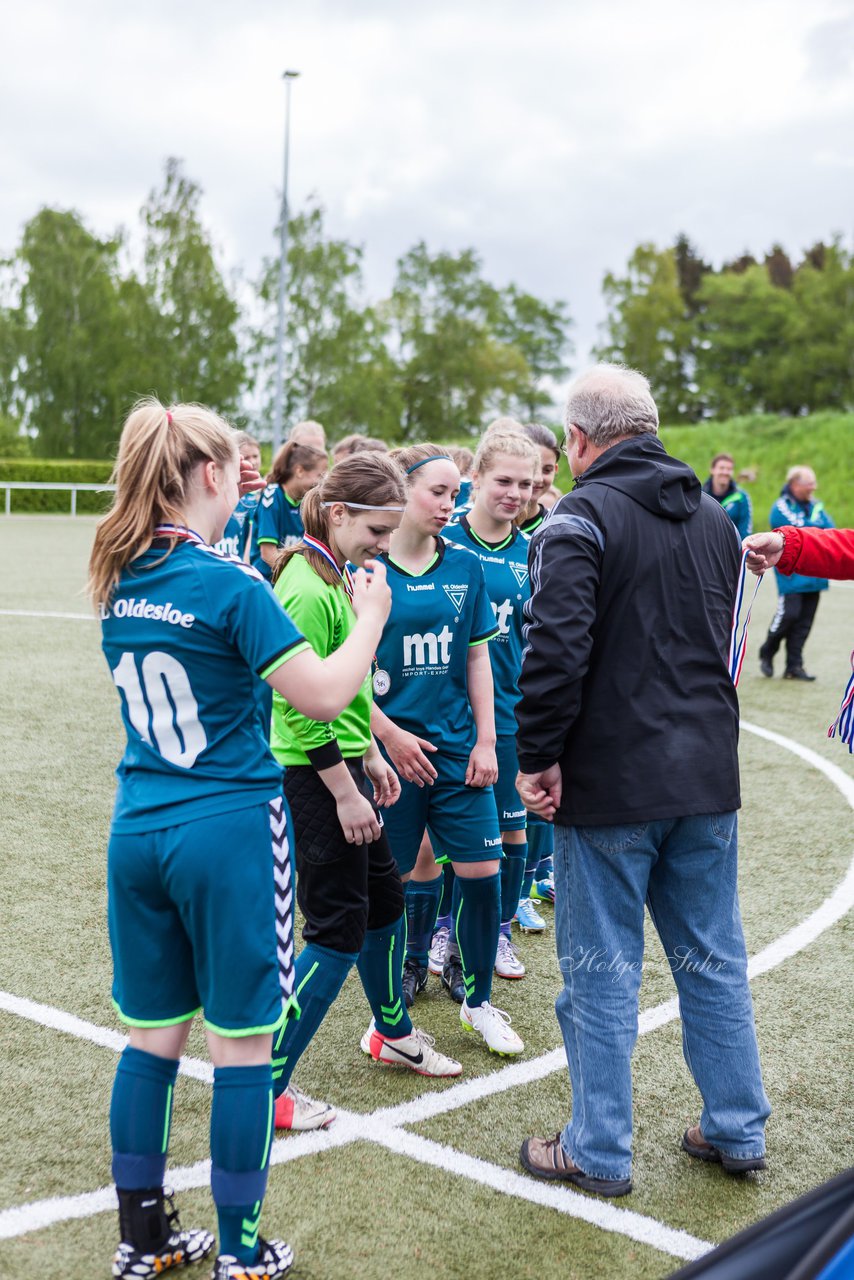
(684, 869)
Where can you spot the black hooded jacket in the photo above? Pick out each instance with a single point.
(624, 677)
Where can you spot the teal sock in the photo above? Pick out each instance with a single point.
(477, 934)
(140, 1118)
(241, 1136)
(422, 907)
(545, 868)
(448, 878)
(381, 970)
(539, 834)
(319, 975)
(512, 875)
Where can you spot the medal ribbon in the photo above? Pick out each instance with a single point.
(738, 645)
(322, 550)
(844, 722)
(179, 531)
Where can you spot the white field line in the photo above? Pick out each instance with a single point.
(600, 1213)
(383, 1125)
(31, 613)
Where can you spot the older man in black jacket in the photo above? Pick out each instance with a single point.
(628, 735)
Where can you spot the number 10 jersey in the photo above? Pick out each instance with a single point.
(189, 640)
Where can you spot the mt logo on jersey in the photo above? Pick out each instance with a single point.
(457, 595)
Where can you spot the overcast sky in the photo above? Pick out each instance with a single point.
(552, 135)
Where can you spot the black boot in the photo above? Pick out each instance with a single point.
(151, 1237)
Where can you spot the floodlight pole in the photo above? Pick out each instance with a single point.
(288, 77)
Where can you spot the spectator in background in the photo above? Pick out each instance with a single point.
(550, 497)
(799, 595)
(722, 487)
(372, 444)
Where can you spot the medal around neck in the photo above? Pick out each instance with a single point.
(381, 682)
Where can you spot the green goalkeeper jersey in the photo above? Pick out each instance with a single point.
(325, 617)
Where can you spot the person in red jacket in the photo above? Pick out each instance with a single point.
(821, 553)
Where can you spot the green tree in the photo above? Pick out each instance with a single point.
(744, 326)
(540, 332)
(647, 328)
(455, 370)
(337, 366)
(819, 359)
(182, 319)
(67, 330)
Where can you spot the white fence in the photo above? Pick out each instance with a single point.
(73, 489)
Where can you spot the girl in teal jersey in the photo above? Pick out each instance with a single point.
(200, 824)
(505, 469)
(534, 513)
(435, 718)
(538, 884)
(348, 886)
(297, 468)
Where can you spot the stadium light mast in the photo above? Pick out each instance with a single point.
(288, 77)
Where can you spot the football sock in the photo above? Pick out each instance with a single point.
(319, 975)
(512, 875)
(448, 878)
(545, 867)
(140, 1118)
(538, 843)
(381, 970)
(477, 923)
(422, 905)
(241, 1135)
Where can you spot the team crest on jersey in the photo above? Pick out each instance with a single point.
(457, 596)
(520, 573)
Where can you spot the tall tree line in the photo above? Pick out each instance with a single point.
(86, 327)
(89, 323)
(769, 336)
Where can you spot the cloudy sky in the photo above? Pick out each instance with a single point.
(552, 135)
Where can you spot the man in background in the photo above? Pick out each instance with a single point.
(722, 487)
(796, 507)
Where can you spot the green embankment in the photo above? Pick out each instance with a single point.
(765, 446)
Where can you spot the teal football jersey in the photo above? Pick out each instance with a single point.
(236, 533)
(436, 616)
(505, 569)
(188, 642)
(278, 521)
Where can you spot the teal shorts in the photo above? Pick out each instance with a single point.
(461, 820)
(192, 921)
(510, 809)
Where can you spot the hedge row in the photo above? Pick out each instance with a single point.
(70, 471)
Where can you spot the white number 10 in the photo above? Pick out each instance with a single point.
(173, 706)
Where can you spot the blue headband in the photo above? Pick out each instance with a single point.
(434, 457)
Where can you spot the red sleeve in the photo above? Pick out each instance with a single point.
(818, 553)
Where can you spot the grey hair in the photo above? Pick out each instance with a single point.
(609, 402)
(800, 475)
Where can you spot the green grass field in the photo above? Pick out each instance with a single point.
(413, 1173)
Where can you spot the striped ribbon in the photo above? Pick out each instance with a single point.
(738, 645)
(179, 531)
(844, 722)
(322, 550)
